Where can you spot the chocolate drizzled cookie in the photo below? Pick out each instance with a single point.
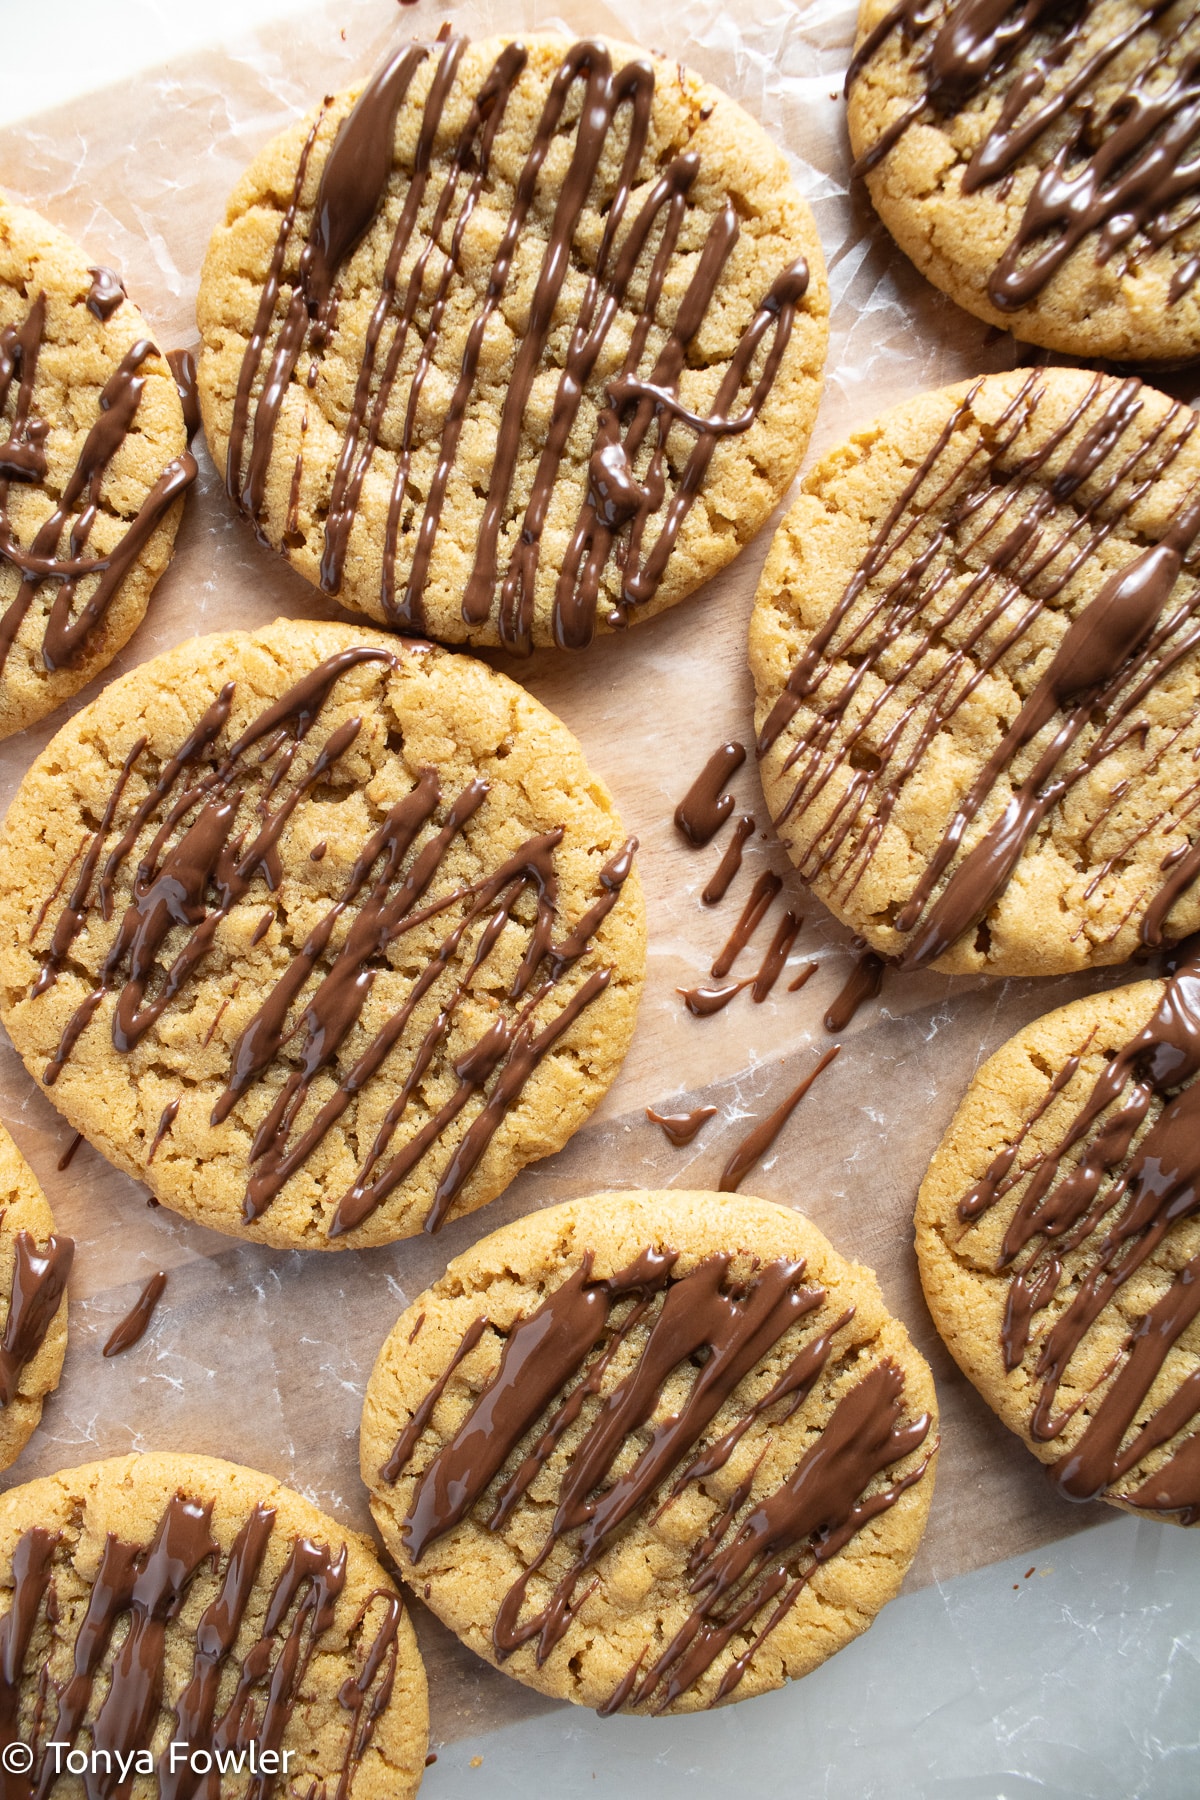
(1058, 1232)
(1041, 162)
(321, 933)
(652, 1452)
(976, 647)
(520, 342)
(93, 467)
(181, 1625)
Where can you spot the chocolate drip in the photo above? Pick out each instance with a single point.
(558, 1356)
(761, 896)
(702, 1002)
(1126, 178)
(202, 862)
(146, 1587)
(863, 983)
(105, 294)
(759, 1141)
(65, 1159)
(132, 1327)
(1130, 637)
(182, 364)
(39, 1282)
(722, 879)
(1115, 1202)
(705, 807)
(637, 415)
(167, 1118)
(681, 1128)
(72, 617)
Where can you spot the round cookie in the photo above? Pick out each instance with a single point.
(651, 1452)
(321, 933)
(516, 379)
(93, 467)
(975, 652)
(251, 1619)
(34, 1265)
(1059, 1242)
(1040, 164)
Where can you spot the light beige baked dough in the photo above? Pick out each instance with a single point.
(23, 1207)
(640, 1596)
(78, 356)
(749, 472)
(1078, 893)
(126, 1496)
(1120, 308)
(434, 710)
(966, 1294)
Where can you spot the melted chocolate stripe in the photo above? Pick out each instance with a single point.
(198, 867)
(355, 182)
(1115, 1204)
(39, 1281)
(554, 1360)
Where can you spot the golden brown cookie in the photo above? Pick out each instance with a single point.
(521, 341)
(93, 467)
(1041, 163)
(1059, 1242)
(652, 1452)
(34, 1265)
(183, 1625)
(321, 933)
(976, 651)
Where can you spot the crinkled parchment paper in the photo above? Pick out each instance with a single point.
(262, 1356)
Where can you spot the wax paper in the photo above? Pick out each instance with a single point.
(263, 1357)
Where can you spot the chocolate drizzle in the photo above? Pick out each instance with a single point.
(39, 1282)
(206, 837)
(1126, 176)
(759, 1141)
(762, 1550)
(82, 585)
(705, 808)
(233, 1695)
(642, 480)
(105, 294)
(961, 575)
(182, 364)
(133, 1326)
(681, 1128)
(1089, 1214)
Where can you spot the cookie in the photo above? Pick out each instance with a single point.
(1058, 1233)
(34, 1264)
(1041, 164)
(179, 1625)
(652, 1452)
(520, 342)
(93, 467)
(322, 934)
(976, 651)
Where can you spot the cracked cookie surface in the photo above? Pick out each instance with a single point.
(1041, 164)
(1059, 1245)
(321, 933)
(541, 372)
(248, 1615)
(976, 652)
(652, 1451)
(93, 467)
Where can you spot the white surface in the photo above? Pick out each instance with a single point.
(1083, 1683)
